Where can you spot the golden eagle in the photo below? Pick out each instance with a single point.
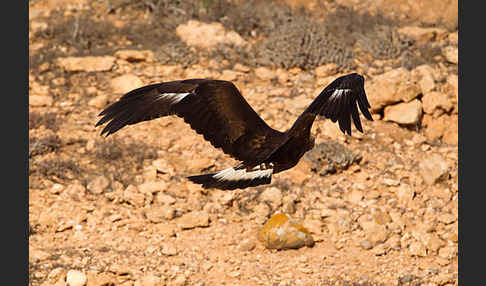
(217, 110)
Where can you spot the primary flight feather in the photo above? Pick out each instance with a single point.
(217, 110)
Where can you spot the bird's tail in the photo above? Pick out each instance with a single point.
(230, 179)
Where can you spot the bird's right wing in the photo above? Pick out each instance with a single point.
(213, 108)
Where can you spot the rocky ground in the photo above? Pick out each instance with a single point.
(381, 205)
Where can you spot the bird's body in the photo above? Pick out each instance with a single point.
(217, 110)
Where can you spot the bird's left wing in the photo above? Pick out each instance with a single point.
(339, 101)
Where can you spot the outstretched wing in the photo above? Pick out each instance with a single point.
(213, 108)
(339, 101)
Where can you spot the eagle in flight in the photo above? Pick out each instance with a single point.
(217, 110)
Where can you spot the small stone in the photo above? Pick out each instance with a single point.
(432, 101)
(448, 252)
(405, 194)
(326, 70)
(157, 214)
(165, 199)
(125, 83)
(56, 189)
(197, 164)
(375, 233)
(99, 101)
(282, 232)
(404, 113)
(57, 274)
(432, 168)
(98, 185)
(151, 187)
(393, 242)
(135, 55)
(452, 81)
(424, 75)
(150, 280)
(272, 195)
(447, 218)
(433, 242)
(355, 196)
(163, 166)
(40, 100)
(76, 278)
(416, 248)
(169, 250)
(390, 182)
(194, 219)
(446, 279)
(87, 64)
(314, 226)
(234, 274)
(451, 134)
(264, 73)
(366, 245)
(436, 127)
(180, 280)
(289, 207)
(381, 217)
(100, 279)
(247, 245)
(166, 229)
(422, 35)
(38, 255)
(133, 196)
(241, 68)
(261, 213)
(38, 26)
(380, 249)
(229, 75)
(283, 77)
(450, 53)
(207, 35)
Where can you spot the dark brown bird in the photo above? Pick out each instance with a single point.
(217, 110)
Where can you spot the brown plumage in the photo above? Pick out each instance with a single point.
(217, 110)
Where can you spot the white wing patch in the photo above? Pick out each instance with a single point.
(231, 174)
(338, 93)
(173, 97)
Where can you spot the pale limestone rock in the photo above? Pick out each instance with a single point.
(417, 248)
(125, 83)
(135, 55)
(87, 64)
(326, 70)
(391, 87)
(207, 35)
(404, 113)
(194, 219)
(424, 76)
(432, 168)
(98, 185)
(272, 195)
(375, 233)
(423, 35)
(264, 73)
(40, 100)
(451, 54)
(432, 101)
(76, 278)
(99, 101)
(132, 195)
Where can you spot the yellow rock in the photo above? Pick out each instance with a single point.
(282, 232)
